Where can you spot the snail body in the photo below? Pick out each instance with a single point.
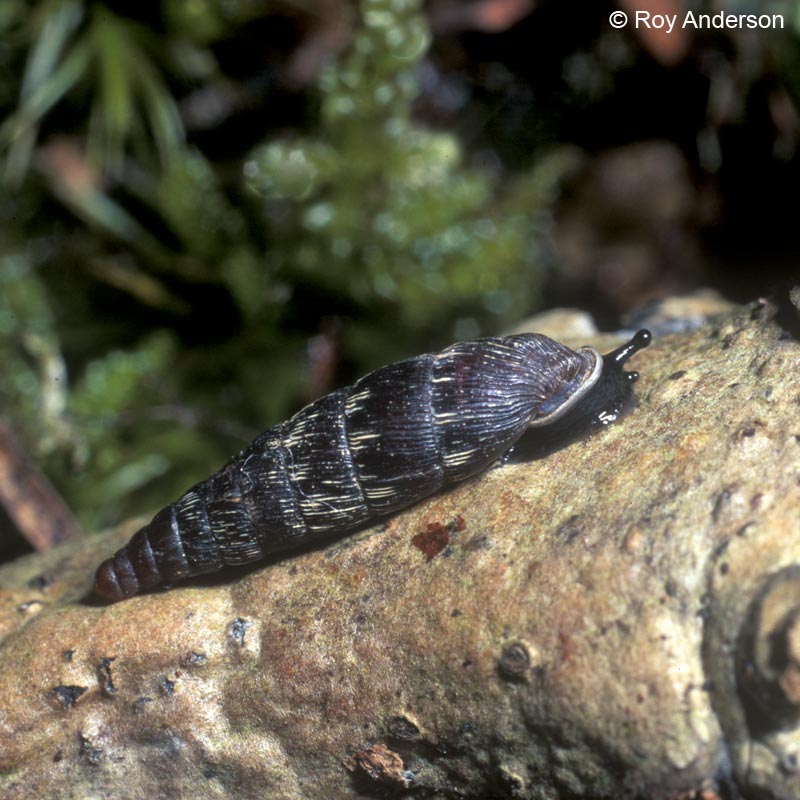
(396, 436)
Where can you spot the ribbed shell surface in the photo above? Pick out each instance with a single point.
(397, 435)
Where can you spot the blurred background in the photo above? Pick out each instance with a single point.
(213, 211)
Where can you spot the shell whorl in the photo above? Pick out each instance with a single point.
(397, 435)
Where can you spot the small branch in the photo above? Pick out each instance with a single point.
(30, 500)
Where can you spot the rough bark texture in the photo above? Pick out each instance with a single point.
(619, 619)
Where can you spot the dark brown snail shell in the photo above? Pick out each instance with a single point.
(396, 436)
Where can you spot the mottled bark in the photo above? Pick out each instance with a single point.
(619, 619)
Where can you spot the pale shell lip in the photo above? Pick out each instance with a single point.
(590, 380)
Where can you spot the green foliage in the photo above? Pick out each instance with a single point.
(70, 47)
(164, 322)
(207, 21)
(34, 375)
(385, 215)
(95, 437)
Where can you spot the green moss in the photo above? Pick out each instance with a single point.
(156, 314)
(385, 214)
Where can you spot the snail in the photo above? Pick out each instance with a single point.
(396, 436)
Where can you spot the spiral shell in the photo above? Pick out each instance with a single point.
(396, 436)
